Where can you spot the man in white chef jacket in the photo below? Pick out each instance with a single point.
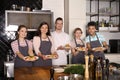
(60, 39)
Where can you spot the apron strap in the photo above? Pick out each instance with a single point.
(19, 43)
(76, 42)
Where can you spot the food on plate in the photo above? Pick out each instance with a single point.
(67, 46)
(31, 58)
(52, 56)
(80, 48)
(98, 49)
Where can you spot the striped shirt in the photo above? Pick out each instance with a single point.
(15, 47)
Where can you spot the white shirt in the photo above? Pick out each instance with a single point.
(60, 39)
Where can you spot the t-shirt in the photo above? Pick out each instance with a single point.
(93, 38)
(60, 39)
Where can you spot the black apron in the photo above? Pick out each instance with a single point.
(95, 44)
(80, 57)
(45, 48)
(24, 51)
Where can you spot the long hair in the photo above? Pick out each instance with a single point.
(39, 32)
(19, 28)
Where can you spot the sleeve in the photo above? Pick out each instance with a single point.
(102, 38)
(53, 45)
(87, 40)
(14, 46)
(36, 44)
(72, 43)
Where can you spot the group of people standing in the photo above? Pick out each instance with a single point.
(46, 43)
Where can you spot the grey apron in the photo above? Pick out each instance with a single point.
(79, 58)
(24, 51)
(95, 44)
(45, 48)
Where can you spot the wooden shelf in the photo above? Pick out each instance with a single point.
(102, 14)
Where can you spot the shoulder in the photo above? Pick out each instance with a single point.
(99, 35)
(50, 38)
(36, 37)
(65, 34)
(52, 33)
(28, 41)
(14, 42)
(87, 39)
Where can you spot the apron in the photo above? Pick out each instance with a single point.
(45, 48)
(24, 51)
(80, 57)
(95, 44)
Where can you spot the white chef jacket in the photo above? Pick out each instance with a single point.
(60, 39)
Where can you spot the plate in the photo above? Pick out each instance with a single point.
(80, 48)
(52, 56)
(67, 46)
(98, 49)
(31, 58)
(59, 70)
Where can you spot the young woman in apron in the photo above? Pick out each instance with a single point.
(22, 48)
(95, 42)
(43, 45)
(77, 56)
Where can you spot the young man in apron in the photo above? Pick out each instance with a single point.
(95, 42)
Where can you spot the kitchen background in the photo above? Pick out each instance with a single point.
(73, 13)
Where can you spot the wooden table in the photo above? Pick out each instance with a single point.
(34, 73)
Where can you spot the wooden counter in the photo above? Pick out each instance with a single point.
(34, 73)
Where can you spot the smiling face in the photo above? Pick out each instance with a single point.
(44, 29)
(77, 33)
(91, 30)
(22, 32)
(59, 24)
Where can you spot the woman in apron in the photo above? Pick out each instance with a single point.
(77, 55)
(43, 45)
(22, 48)
(95, 42)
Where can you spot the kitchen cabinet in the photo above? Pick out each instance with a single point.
(31, 19)
(106, 14)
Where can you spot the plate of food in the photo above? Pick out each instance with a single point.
(98, 49)
(52, 56)
(80, 48)
(31, 58)
(67, 46)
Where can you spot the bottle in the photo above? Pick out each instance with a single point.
(98, 72)
(52, 73)
(92, 68)
(104, 70)
(86, 67)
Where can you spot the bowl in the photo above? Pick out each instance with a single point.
(76, 77)
(64, 78)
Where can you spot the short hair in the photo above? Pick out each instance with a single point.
(76, 29)
(59, 18)
(92, 23)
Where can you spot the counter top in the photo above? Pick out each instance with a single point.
(34, 73)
